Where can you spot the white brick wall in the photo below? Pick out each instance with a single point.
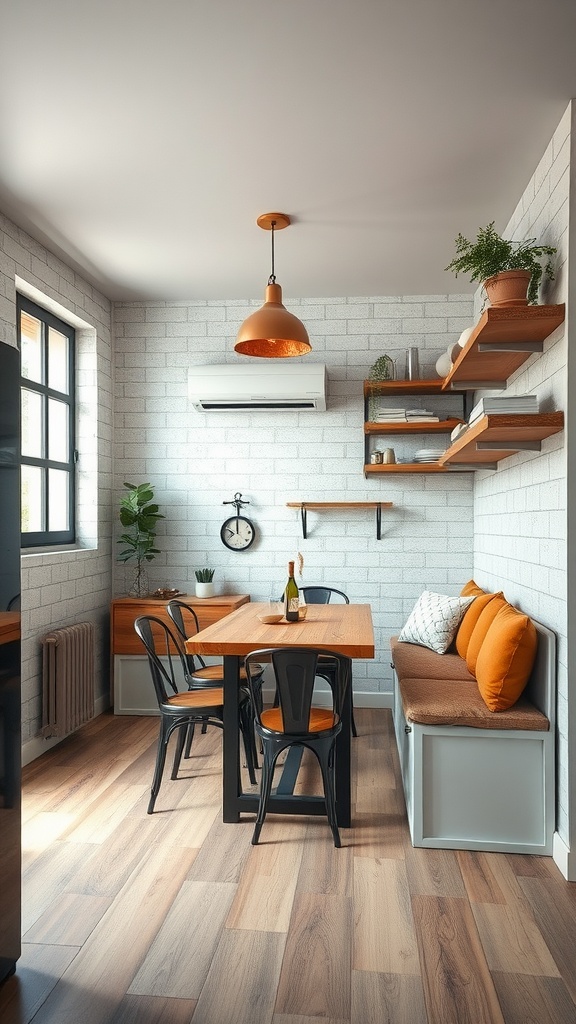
(64, 587)
(520, 532)
(197, 461)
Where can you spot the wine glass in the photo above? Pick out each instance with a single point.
(275, 603)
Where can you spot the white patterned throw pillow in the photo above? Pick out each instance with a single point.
(434, 620)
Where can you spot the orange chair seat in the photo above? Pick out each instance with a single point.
(208, 698)
(214, 673)
(320, 719)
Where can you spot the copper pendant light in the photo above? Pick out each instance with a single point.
(272, 332)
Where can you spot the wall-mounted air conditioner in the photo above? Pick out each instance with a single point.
(275, 384)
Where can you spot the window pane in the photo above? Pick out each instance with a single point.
(31, 346)
(58, 505)
(32, 499)
(57, 361)
(32, 432)
(57, 430)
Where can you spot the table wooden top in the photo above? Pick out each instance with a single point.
(343, 628)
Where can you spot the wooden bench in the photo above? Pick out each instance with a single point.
(475, 779)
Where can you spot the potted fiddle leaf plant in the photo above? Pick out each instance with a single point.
(510, 271)
(204, 582)
(139, 516)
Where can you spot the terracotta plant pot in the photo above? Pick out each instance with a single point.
(508, 288)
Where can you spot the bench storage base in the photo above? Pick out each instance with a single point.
(482, 789)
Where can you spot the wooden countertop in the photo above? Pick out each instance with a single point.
(9, 627)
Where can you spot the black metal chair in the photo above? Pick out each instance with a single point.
(296, 721)
(181, 710)
(323, 595)
(186, 622)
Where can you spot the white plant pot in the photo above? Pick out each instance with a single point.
(205, 589)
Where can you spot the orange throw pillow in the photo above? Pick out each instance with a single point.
(485, 620)
(468, 623)
(506, 658)
(471, 589)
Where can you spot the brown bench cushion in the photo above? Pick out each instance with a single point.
(438, 689)
(413, 661)
(458, 702)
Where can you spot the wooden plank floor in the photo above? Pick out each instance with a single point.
(175, 917)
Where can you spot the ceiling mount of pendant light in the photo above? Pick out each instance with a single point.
(272, 332)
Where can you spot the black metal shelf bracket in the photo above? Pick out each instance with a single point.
(378, 506)
(303, 518)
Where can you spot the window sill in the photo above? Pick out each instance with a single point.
(57, 552)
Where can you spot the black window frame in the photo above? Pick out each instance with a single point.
(51, 538)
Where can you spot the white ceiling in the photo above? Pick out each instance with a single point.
(140, 139)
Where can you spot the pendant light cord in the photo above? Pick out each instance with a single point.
(272, 278)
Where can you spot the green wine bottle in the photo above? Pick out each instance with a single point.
(291, 596)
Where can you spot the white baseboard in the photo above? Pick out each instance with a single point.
(361, 700)
(564, 858)
(38, 745)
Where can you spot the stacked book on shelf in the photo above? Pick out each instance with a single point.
(504, 404)
(521, 405)
(402, 415)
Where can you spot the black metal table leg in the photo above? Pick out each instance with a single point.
(343, 755)
(231, 785)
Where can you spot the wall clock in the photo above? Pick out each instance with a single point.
(237, 532)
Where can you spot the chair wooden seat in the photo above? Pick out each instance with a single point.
(213, 673)
(320, 719)
(204, 698)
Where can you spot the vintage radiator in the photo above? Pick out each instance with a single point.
(67, 678)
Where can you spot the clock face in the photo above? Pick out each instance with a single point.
(237, 533)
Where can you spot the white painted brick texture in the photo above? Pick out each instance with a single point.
(65, 587)
(198, 461)
(520, 532)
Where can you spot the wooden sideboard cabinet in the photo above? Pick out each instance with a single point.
(132, 692)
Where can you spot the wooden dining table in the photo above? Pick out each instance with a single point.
(343, 628)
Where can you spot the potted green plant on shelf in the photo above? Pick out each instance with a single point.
(139, 516)
(204, 582)
(501, 263)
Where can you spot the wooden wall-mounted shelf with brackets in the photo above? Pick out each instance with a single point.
(315, 505)
(497, 436)
(501, 341)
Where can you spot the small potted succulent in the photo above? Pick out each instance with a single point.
(499, 262)
(204, 582)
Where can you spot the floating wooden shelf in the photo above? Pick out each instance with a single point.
(495, 437)
(501, 341)
(305, 505)
(405, 467)
(404, 427)
(403, 388)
